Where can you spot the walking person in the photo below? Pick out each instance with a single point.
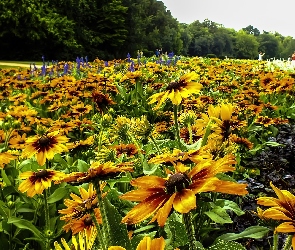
(260, 56)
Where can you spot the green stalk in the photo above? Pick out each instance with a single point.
(288, 243)
(156, 145)
(187, 219)
(189, 127)
(99, 231)
(275, 241)
(47, 221)
(177, 135)
(105, 226)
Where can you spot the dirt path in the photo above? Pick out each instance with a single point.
(24, 65)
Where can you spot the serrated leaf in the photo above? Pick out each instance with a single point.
(117, 233)
(219, 215)
(176, 232)
(58, 194)
(255, 232)
(226, 245)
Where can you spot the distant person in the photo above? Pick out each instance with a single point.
(293, 59)
(157, 53)
(260, 56)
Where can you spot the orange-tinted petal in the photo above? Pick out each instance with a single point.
(184, 201)
(144, 209)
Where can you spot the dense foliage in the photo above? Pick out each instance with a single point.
(110, 29)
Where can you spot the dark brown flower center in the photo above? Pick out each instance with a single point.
(176, 85)
(88, 221)
(81, 110)
(41, 174)
(176, 183)
(226, 129)
(44, 140)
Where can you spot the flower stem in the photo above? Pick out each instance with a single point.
(105, 231)
(156, 145)
(47, 220)
(190, 133)
(288, 242)
(187, 219)
(99, 231)
(175, 109)
(275, 241)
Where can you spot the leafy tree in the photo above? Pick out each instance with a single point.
(246, 45)
(269, 44)
(251, 30)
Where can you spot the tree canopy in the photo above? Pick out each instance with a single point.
(108, 29)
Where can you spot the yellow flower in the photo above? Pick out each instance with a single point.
(82, 241)
(5, 158)
(158, 195)
(36, 182)
(45, 146)
(146, 244)
(98, 170)
(282, 209)
(176, 91)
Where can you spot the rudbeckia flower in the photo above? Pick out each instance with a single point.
(146, 244)
(80, 242)
(98, 170)
(281, 209)
(176, 91)
(36, 182)
(157, 195)
(77, 216)
(45, 146)
(5, 158)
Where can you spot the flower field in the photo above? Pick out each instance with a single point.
(185, 153)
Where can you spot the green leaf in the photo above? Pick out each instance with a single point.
(60, 160)
(82, 166)
(226, 245)
(219, 215)
(5, 178)
(230, 205)
(117, 233)
(255, 232)
(176, 231)
(29, 165)
(58, 194)
(196, 146)
(24, 224)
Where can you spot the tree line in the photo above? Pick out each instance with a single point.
(108, 29)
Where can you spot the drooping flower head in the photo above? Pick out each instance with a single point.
(281, 209)
(97, 170)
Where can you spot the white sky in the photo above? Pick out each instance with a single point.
(268, 15)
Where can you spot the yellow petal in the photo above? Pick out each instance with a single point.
(158, 244)
(164, 211)
(144, 244)
(144, 209)
(275, 214)
(286, 227)
(184, 201)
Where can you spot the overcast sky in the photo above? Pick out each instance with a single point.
(265, 15)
